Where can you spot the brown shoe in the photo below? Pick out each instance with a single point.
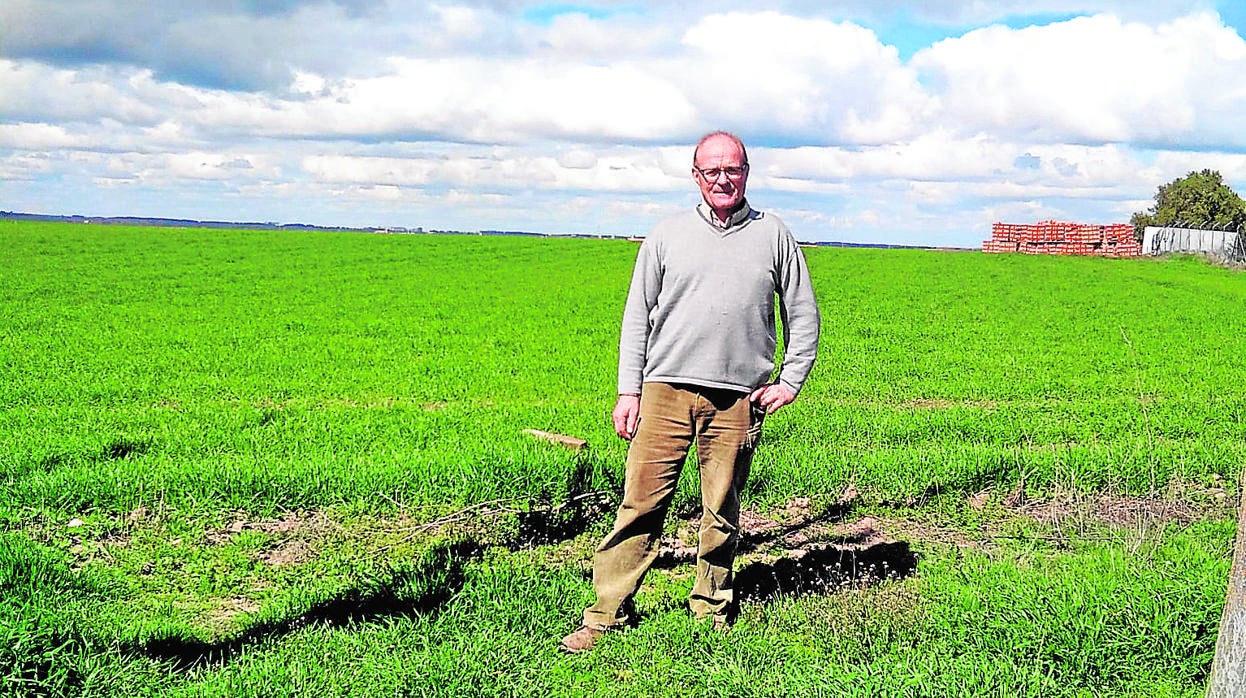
(582, 640)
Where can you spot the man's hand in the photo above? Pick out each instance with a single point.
(771, 396)
(626, 416)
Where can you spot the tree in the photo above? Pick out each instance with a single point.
(1197, 200)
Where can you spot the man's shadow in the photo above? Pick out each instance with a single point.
(825, 569)
(809, 561)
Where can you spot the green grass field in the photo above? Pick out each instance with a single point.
(239, 463)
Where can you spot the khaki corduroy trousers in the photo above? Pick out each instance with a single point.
(725, 426)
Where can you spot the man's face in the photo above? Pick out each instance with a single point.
(721, 173)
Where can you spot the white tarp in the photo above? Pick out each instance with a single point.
(1218, 243)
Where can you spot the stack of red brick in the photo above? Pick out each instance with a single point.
(1058, 237)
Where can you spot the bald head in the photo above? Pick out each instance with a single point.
(714, 135)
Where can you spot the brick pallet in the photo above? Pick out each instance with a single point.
(1058, 237)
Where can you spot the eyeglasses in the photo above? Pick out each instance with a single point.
(712, 175)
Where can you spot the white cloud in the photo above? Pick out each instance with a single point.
(504, 171)
(1094, 80)
(577, 36)
(466, 99)
(368, 170)
(233, 45)
(201, 165)
(856, 91)
(805, 219)
(35, 137)
(459, 22)
(33, 91)
(24, 166)
(1173, 164)
(577, 159)
(821, 80)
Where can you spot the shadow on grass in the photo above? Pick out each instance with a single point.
(422, 591)
(810, 558)
(119, 449)
(39, 660)
(124, 448)
(825, 569)
(549, 523)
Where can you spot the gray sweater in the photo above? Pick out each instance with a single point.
(700, 308)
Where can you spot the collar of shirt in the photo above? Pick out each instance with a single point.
(742, 214)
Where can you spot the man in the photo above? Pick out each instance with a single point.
(695, 361)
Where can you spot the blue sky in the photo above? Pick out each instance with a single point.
(867, 120)
(544, 15)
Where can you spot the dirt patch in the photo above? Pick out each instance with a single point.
(1181, 503)
(223, 614)
(296, 537)
(290, 524)
(923, 532)
(293, 552)
(926, 404)
(922, 403)
(373, 404)
(795, 532)
(115, 539)
(138, 515)
(1117, 511)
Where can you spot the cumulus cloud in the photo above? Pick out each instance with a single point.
(636, 171)
(36, 92)
(1094, 80)
(857, 91)
(36, 137)
(478, 100)
(826, 81)
(243, 45)
(28, 166)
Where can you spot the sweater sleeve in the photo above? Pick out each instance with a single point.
(642, 295)
(798, 310)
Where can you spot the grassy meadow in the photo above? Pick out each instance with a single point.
(272, 463)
